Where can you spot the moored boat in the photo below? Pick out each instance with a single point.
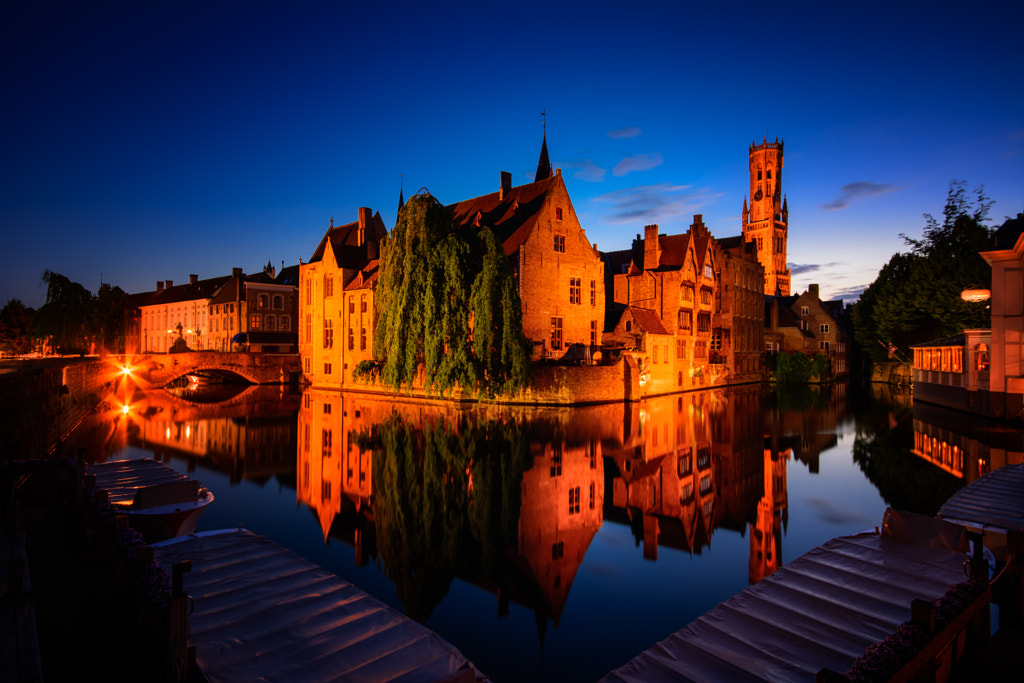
(159, 502)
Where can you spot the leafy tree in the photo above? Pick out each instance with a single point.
(447, 299)
(108, 315)
(65, 315)
(916, 296)
(16, 328)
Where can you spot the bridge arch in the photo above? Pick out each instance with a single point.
(256, 368)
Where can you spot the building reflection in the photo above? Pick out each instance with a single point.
(250, 436)
(965, 446)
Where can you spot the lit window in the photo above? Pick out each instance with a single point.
(286, 323)
(556, 333)
(254, 322)
(263, 301)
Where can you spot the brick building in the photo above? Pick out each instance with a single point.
(257, 312)
(559, 272)
(766, 221)
(806, 324)
(689, 306)
(173, 313)
(336, 300)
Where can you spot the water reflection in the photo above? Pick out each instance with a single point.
(527, 505)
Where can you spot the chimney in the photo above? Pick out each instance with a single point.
(193, 278)
(652, 248)
(813, 291)
(159, 285)
(364, 223)
(168, 284)
(506, 184)
(236, 272)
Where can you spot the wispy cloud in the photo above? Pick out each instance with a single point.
(637, 162)
(630, 132)
(586, 170)
(849, 294)
(852, 191)
(648, 204)
(804, 268)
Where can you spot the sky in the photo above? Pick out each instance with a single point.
(147, 141)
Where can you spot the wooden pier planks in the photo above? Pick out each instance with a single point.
(821, 611)
(264, 613)
(995, 500)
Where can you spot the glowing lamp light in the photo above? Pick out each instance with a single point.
(125, 410)
(975, 295)
(126, 370)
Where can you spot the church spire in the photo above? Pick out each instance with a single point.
(401, 198)
(544, 164)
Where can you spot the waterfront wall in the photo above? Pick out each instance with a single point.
(40, 406)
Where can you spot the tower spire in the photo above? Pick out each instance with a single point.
(401, 198)
(543, 164)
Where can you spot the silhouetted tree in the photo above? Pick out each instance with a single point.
(107, 318)
(16, 328)
(916, 296)
(65, 316)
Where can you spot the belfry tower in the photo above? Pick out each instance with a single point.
(766, 222)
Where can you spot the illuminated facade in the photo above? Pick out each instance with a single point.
(559, 272)
(177, 312)
(336, 300)
(766, 221)
(982, 371)
(690, 309)
(263, 307)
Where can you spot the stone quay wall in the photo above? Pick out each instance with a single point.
(39, 407)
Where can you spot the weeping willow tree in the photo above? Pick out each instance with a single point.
(447, 299)
(499, 345)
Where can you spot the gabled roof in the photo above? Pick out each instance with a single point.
(288, 276)
(673, 251)
(615, 260)
(511, 215)
(647, 320)
(366, 276)
(344, 239)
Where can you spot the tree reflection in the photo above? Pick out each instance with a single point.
(446, 503)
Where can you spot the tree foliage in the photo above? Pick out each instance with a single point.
(64, 318)
(447, 299)
(916, 296)
(16, 328)
(108, 315)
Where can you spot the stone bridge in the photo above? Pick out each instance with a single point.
(158, 370)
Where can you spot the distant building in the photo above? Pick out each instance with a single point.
(766, 222)
(256, 312)
(336, 300)
(173, 313)
(806, 324)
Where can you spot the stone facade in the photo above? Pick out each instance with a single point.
(173, 313)
(766, 222)
(336, 300)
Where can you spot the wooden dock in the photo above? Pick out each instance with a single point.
(818, 614)
(264, 613)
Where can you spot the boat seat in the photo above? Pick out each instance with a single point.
(184, 491)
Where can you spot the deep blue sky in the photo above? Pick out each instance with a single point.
(145, 141)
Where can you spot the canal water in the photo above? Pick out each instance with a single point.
(553, 543)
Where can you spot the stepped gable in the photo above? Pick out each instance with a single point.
(511, 213)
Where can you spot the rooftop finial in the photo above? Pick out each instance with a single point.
(543, 164)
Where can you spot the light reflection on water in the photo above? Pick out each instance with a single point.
(551, 543)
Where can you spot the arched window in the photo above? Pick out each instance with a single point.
(278, 302)
(254, 322)
(263, 300)
(769, 174)
(271, 322)
(286, 323)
